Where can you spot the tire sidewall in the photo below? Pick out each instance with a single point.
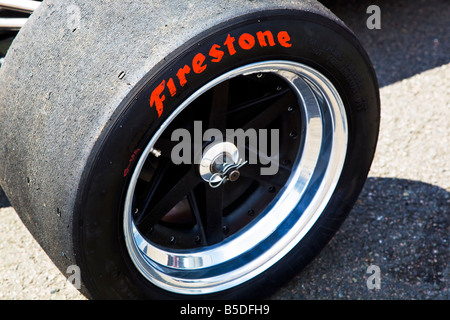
(314, 40)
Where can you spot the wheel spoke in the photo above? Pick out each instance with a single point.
(213, 214)
(154, 213)
(277, 180)
(248, 104)
(263, 119)
(207, 206)
(219, 105)
(153, 185)
(194, 204)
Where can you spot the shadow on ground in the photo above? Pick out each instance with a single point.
(402, 226)
(4, 202)
(414, 35)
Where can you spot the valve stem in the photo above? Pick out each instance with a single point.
(155, 152)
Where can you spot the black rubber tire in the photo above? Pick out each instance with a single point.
(75, 113)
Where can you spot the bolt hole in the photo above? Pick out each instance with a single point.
(225, 229)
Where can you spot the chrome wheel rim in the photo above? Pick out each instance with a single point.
(283, 223)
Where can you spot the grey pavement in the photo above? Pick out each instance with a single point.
(400, 222)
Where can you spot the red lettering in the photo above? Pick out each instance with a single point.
(171, 86)
(246, 41)
(181, 74)
(215, 53)
(262, 36)
(197, 63)
(229, 43)
(133, 157)
(284, 38)
(157, 99)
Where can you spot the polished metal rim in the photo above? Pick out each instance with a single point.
(13, 16)
(287, 218)
(24, 6)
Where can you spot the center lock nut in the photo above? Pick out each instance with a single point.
(220, 162)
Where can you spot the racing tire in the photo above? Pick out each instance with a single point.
(91, 98)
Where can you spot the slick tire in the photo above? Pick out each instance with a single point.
(106, 156)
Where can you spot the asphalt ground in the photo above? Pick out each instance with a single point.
(400, 223)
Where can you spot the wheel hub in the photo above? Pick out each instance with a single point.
(220, 162)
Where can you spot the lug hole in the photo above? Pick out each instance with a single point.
(225, 230)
